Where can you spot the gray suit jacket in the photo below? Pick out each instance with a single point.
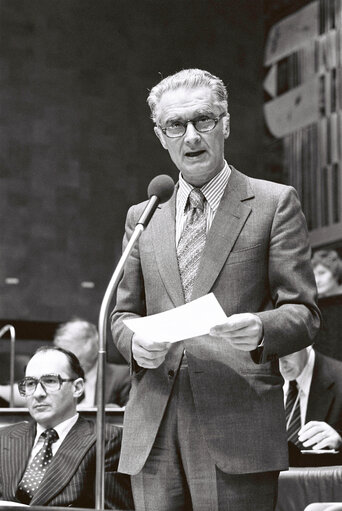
(256, 259)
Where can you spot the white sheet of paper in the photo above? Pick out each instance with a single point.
(189, 320)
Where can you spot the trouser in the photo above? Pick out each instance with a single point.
(179, 474)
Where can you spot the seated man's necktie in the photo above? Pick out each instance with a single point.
(192, 241)
(36, 470)
(292, 412)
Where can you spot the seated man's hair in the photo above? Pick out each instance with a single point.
(74, 363)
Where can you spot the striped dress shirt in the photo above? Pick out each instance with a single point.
(212, 191)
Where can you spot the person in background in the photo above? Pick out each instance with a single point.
(50, 460)
(328, 272)
(81, 337)
(204, 427)
(313, 399)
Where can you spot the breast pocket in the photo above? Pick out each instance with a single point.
(241, 255)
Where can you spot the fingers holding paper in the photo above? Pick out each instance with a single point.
(147, 353)
(243, 331)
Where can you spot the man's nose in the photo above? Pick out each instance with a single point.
(39, 391)
(191, 134)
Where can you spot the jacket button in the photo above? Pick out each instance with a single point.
(171, 373)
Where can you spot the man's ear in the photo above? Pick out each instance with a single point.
(226, 125)
(78, 387)
(161, 136)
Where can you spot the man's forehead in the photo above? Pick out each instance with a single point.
(183, 101)
(47, 362)
(295, 357)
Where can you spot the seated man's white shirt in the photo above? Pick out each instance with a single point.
(62, 429)
(303, 384)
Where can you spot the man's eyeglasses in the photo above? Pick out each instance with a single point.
(49, 382)
(202, 124)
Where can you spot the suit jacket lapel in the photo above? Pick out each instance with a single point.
(164, 243)
(230, 217)
(227, 224)
(65, 462)
(15, 451)
(321, 393)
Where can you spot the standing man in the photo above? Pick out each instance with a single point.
(50, 461)
(205, 428)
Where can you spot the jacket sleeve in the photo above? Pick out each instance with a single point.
(295, 318)
(130, 301)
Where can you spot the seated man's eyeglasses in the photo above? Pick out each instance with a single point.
(49, 382)
(202, 124)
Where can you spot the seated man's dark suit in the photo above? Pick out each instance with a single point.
(70, 477)
(118, 384)
(325, 398)
(324, 404)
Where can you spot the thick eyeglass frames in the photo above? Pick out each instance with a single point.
(202, 124)
(49, 382)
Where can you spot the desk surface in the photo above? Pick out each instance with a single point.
(301, 486)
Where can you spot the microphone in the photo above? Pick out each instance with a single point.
(159, 190)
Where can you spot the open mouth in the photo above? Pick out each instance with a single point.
(194, 154)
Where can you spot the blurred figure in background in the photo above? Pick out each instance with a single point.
(327, 267)
(81, 337)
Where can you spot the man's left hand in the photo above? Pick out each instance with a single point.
(243, 331)
(319, 435)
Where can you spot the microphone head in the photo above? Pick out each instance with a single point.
(162, 186)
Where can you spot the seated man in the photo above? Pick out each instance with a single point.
(313, 401)
(81, 337)
(50, 461)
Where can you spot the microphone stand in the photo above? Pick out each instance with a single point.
(100, 417)
(12, 358)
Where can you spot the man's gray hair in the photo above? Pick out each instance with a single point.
(189, 79)
(75, 331)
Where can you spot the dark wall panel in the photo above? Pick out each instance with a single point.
(76, 144)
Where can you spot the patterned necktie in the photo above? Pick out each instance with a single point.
(35, 471)
(294, 426)
(191, 243)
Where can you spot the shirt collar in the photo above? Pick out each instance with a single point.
(212, 191)
(62, 428)
(305, 377)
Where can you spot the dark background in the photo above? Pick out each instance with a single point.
(77, 144)
(77, 147)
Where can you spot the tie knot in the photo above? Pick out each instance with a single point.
(196, 199)
(50, 435)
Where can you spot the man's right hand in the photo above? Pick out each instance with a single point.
(149, 354)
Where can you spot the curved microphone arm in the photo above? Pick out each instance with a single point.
(11, 330)
(100, 417)
(159, 190)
